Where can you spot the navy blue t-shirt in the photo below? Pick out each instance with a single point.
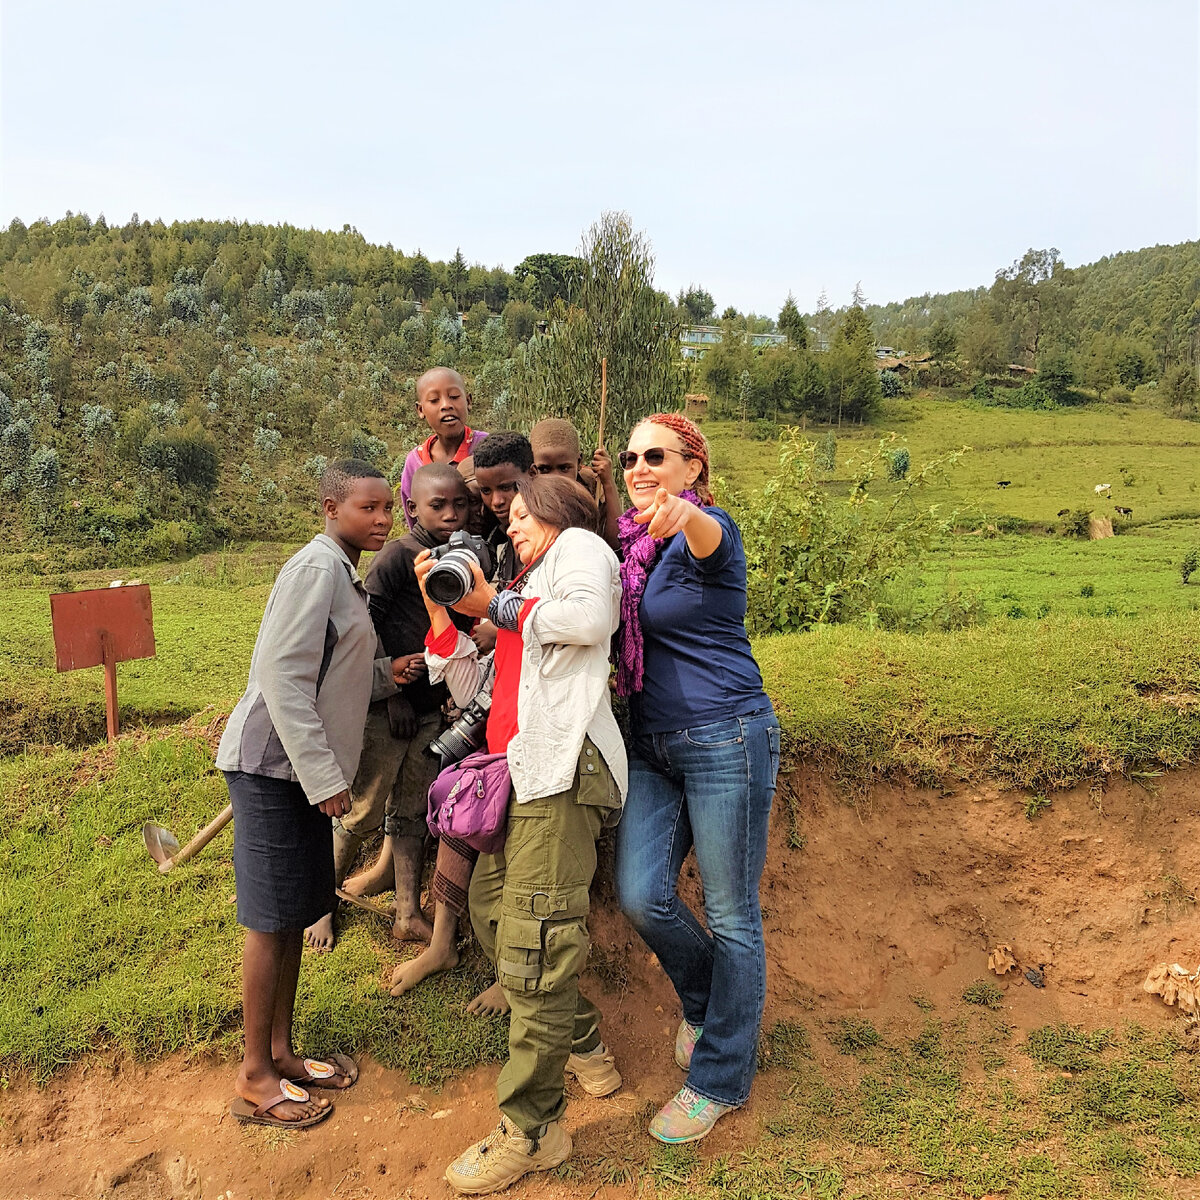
(698, 663)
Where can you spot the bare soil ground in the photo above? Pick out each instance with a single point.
(899, 896)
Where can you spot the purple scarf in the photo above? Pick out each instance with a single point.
(639, 552)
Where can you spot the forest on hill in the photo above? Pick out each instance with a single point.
(167, 387)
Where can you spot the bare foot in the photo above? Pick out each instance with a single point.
(258, 1089)
(491, 1002)
(429, 962)
(412, 928)
(321, 937)
(380, 876)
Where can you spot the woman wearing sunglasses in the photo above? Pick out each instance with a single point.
(703, 759)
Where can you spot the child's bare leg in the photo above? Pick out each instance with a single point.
(410, 925)
(322, 935)
(491, 1002)
(268, 988)
(380, 876)
(441, 954)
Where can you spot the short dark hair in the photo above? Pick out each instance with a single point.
(338, 478)
(504, 447)
(437, 473)
(559, 502)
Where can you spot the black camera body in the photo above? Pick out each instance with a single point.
(451, 578)
(468, 732)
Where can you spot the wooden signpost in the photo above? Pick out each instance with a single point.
(102, 627)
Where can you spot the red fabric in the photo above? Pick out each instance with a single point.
(425, 449)
(523, 615)
(502, 720)
(442, 645)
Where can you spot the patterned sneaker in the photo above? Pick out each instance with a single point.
(687, 1117)
(504, 1156)
(685, 1043)
(597, 1074)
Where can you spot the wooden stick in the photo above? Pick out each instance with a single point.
(201, 840)
(603, 398)
(110, 685)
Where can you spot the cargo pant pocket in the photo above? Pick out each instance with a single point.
(519, 953)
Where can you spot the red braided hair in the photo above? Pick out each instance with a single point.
(694, 442)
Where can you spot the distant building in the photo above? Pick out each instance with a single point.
(696, 339)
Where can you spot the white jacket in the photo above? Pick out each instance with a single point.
(563, 694)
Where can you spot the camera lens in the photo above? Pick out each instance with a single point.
(451, 579)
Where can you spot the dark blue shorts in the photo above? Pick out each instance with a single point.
(282, 854)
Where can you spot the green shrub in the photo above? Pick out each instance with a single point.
(815, 558)
(1118, 394)
(1077, 523)
(764, 431)
(1191, 560)
(172, 539)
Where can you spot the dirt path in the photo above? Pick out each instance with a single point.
(901, 897)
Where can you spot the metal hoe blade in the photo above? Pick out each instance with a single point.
(162, 843)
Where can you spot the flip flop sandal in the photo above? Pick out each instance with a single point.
(321, 1070)
(248, 1114)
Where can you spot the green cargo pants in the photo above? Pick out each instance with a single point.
(529, 908)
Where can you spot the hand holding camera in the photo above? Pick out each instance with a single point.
(454, 575)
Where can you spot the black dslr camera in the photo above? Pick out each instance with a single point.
(451, 578)
(469, 731)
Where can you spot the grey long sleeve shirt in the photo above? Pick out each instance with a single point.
(313, 673)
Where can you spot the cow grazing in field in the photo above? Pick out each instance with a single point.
(1003, 483)
(1125, 512)
(1103, 487)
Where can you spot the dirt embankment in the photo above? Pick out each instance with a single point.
(902, 896)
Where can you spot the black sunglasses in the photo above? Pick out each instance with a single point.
(655, 456)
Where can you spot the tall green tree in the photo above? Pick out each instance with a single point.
(792, 324)
(616, 314)
(698, 304)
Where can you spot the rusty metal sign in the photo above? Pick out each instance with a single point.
(102, 627)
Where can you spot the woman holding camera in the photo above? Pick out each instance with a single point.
(551, 717)
(703, 762)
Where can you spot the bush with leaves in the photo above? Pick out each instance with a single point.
(1189, 565)
(890, 384)
(815, 558)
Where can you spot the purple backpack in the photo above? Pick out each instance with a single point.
(469, 801)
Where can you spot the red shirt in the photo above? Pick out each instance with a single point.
(502, 719)
(425, 449)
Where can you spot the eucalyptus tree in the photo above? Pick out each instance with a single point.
(615, 315)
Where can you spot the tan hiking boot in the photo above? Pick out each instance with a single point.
(504, 1156)
(595, 1070)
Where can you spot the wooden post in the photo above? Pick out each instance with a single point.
(603, 398)
(110, 684)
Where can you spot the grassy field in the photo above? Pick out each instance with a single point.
(1053, 460)
(1090, 665)
(1010, 558)
(98, 949)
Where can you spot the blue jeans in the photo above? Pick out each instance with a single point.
(710, 786)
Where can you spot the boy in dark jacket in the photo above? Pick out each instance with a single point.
(392, 784)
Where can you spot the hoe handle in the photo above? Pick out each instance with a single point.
(201, 839)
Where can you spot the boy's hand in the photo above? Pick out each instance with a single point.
(336, 806)
(475, 602)
(484, 637)
(602, 465)
(407, 667)
(667, 515)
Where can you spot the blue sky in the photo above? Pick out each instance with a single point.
(762, 147)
